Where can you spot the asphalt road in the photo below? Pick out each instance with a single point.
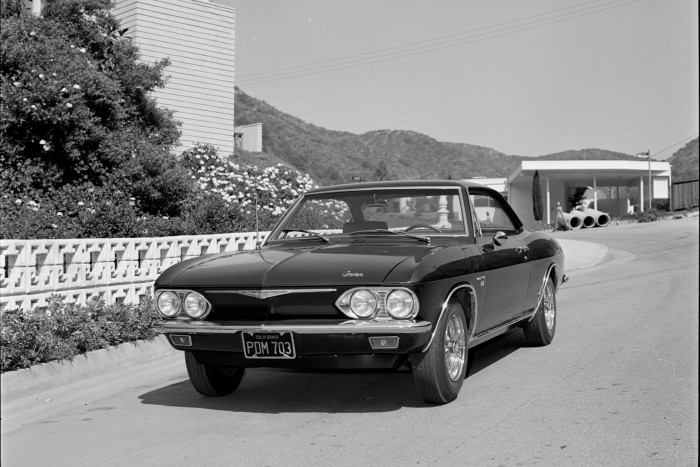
(617, 387)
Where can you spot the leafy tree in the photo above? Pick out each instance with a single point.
(76, 108)
(537, 197)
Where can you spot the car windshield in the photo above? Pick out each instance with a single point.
(375, 212)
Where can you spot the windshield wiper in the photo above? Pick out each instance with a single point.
(393, 232)
(313, 234)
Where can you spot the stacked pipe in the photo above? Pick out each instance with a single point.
(601, 219)
(569, 221)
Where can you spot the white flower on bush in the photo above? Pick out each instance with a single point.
(76, 86)
(69, 105)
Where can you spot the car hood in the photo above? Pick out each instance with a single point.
(294, 267)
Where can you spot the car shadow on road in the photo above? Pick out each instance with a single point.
(274, 391)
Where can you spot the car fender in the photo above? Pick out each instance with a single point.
(471, 314)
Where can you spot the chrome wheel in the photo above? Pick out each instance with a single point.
(440, 370)
(548, 306)
(541, 328)
(455, 345)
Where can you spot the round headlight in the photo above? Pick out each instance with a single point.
(399, 304)
(363, 303)
(196, 305)
(168, 304)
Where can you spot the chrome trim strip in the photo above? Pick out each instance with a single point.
(502, 326)
(343, 327)
(474, 304)
(268, 293)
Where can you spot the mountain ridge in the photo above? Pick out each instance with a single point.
(332, 156)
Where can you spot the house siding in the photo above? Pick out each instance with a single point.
(198, 37)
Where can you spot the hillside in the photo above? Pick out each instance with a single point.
(336, 157)
(685, 162)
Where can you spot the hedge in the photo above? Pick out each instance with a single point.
(62, 331)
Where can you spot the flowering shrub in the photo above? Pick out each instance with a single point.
(83, 211)
(239, 187)
(62, 330)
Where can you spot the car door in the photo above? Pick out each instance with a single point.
(500, 238)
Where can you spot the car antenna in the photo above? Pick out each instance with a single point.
(257, 227)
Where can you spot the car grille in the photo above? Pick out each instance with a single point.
(232, 306)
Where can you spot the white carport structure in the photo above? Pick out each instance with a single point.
(616, 187)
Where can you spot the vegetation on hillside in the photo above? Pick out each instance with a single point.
(336, 157)
(685, 163)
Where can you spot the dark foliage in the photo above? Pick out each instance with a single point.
(537, 208)
(334, 156)
(62, 331)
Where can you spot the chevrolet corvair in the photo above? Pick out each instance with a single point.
(367, 275)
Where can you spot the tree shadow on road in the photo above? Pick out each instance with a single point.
(274, 391)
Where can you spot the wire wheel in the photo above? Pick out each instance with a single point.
(455, 346)
(541, 328)
(548, 306)
(439, 371)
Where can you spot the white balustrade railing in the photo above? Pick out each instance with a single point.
(117, 270)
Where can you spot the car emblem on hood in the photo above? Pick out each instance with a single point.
(352, 274)
(263, 294)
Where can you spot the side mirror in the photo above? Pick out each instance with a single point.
(499, 238)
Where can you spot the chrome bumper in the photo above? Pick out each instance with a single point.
(342, 327)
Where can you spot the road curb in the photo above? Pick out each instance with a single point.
(53, 374)
(581, 255)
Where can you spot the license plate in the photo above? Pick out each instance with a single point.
(268, 345)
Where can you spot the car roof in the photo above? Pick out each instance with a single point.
(397, 184)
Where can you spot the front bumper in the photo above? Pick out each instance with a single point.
(221, 342)
(375, 327)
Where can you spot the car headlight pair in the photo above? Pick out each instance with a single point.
(170, 303)
(379, 302)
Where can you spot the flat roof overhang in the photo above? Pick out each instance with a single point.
(616, 171)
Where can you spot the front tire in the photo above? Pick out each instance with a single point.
(540, 330)
(212, 380)
(440, 371)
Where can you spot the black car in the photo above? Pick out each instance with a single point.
(367, 275)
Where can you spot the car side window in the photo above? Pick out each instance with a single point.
(490, 214)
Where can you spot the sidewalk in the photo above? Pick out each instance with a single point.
(578, 255)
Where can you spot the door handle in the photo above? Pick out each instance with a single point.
(522, 249)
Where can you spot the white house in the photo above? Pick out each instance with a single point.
(616, 187)
(198, 37)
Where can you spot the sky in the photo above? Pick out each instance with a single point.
(525, 78)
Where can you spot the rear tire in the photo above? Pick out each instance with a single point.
(212, 380)
(440, 371)
(540, 330)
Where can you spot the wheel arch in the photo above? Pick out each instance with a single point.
(465, 296)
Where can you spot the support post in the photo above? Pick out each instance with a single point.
(549, 209)
(595, 194)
